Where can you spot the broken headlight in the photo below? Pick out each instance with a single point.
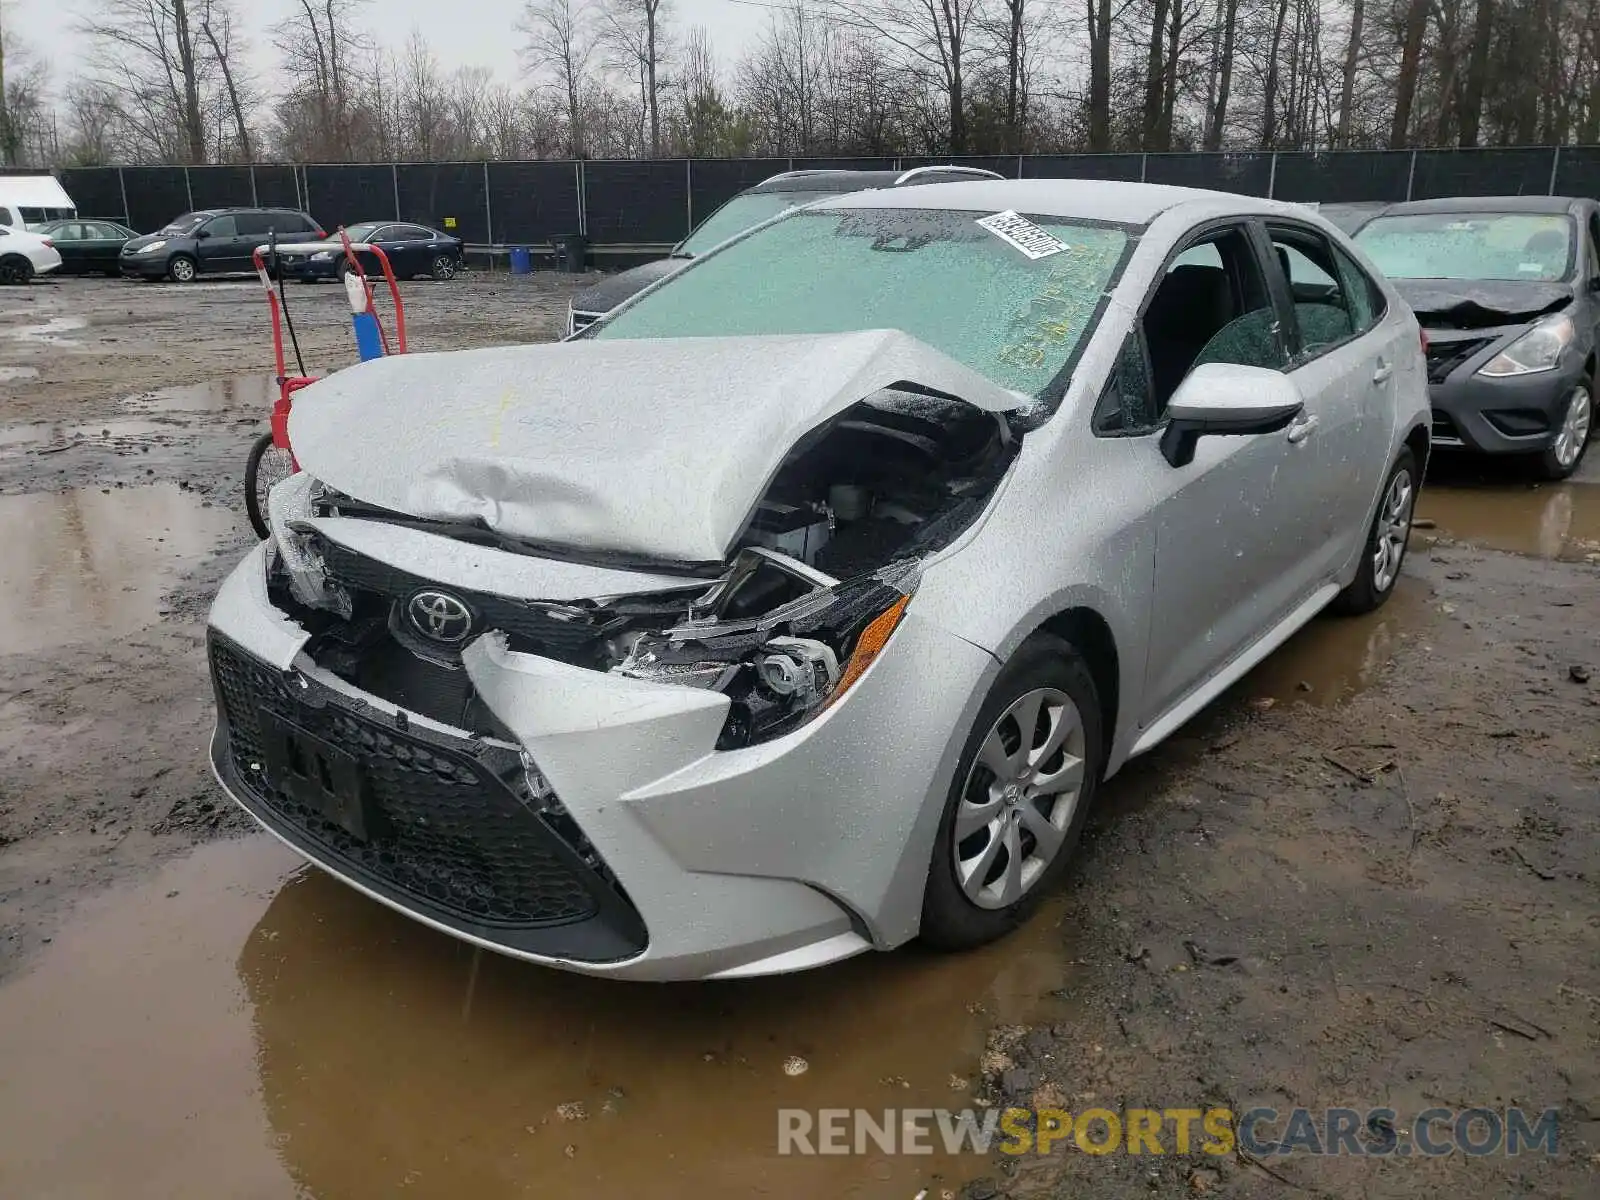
(784, 667)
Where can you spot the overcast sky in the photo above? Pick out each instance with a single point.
(462, 32)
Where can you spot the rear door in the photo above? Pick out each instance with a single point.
(102, 244)
(1344, 365)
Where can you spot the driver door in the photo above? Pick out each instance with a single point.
(217, 246)
(1230, 558)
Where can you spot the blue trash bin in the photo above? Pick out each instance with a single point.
(521, 260)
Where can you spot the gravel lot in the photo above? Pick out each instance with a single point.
(1369, 877)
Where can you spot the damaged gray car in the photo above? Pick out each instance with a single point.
(756, 628)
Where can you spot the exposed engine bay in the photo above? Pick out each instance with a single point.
(812, 591)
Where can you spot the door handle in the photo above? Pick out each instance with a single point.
(1302, 428)
(1382, 374)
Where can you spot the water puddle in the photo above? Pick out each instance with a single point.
(53, 434)
(216, 1032)
(216, 395)
(88, 564)
(15, 374)
(1555, 521)
(50, 332)
(1334, 658)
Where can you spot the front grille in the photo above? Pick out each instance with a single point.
(447, 827)
(1445, 357)
(570, 638)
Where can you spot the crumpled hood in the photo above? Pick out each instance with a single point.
(657, 449)
(1480, 304)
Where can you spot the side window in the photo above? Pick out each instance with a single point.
(222, 227)
(1212, 305)
(34, 216)
(1321, 307)
(1127, 405)
(1365, 296)
(259, 224)
(384, 235)
(416, 233)
(1594, 246)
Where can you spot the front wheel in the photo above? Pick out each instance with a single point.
(182, 269)
(269, 464)
(1019, 799)
(1572, 436)
(1387, 541)
(444, 268)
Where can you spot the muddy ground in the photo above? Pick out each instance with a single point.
(1368, 877)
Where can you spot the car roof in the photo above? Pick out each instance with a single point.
(830, 180)
(1485, 204)
(1085, 199)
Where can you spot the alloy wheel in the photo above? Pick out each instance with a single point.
(444, 268)
(1574, 434)
(182, 270)
(1019, 798)
(1393, 532)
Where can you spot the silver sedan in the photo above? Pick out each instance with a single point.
(799, 606)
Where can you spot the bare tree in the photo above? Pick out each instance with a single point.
(321, 43)
(632, 33)
(934, 38)
(217, 30)
(149, 53)
(559, 39)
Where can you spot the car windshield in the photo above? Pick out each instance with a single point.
(1470, 245)
(185, 224)
(936, 275)
(740, 214)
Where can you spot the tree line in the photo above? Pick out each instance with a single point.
(175, 81)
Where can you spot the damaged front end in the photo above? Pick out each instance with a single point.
(816, 583)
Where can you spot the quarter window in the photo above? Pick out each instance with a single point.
(1127, 405)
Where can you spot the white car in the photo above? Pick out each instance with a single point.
(798, 606)
(24, 255)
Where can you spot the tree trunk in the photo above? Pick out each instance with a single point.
(1169, 82)
(1269, 111)
(1098, 13)
(1153, 79)
(194, 127)
(1013, 75)
(651, 9)
(1218, 116)
(233, 91)
(1406, 84)
(1352, 56)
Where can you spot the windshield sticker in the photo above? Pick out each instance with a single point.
(1021, 233)
(1531, 268)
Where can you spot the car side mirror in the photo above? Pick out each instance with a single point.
(1225, 399)
(202, 233)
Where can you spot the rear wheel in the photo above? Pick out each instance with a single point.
(1019, 799)
(182, 269)
(15, 269)
(1572, 435)
(267, 466)
(444, 268)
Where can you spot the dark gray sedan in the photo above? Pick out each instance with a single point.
(1507, 289)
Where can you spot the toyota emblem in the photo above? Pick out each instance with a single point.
(440, 617)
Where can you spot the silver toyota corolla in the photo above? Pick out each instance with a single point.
(799, 606)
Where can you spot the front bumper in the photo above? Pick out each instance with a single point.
(1518, 414)
(668, 859)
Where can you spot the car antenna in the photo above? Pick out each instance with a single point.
(283, 301)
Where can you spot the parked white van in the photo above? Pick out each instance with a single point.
(29, 200)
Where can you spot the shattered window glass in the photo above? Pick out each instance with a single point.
(1471, 245)
(935, 275)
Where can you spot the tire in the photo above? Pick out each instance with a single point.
(996, 901)
(1391, 526)
(1564, 454)
(267, 465)
(182, 269)
(444, 269)
(14, 269)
